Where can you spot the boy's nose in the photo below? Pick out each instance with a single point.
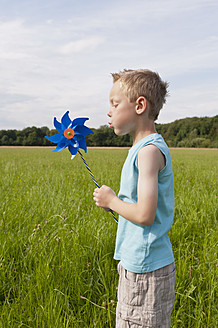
(109, 113)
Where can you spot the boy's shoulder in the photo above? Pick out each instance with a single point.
(152, 157)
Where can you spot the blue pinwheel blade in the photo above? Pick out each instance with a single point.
(73, 150)
(79, 121)
(55, 138)
(66, 121)
(60, 147)
(83, 130)
(82, 144)
(58, 126)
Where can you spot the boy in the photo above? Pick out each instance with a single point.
(145, 203)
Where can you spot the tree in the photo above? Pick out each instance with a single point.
(188, 132)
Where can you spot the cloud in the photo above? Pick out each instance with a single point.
(187, 102)
(83, 45)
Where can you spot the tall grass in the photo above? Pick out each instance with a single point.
(56, 246)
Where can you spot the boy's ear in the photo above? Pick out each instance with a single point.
(141, 105)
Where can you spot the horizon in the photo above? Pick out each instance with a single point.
(157, 123)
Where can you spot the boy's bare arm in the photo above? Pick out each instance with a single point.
(150, 162)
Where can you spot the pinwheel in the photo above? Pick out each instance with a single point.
(72, 135)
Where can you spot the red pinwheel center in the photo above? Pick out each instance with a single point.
(69, 133)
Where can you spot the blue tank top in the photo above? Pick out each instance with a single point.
(139, 248)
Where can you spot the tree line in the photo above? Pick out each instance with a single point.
(188, 132)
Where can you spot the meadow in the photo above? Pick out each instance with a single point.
(56, 247)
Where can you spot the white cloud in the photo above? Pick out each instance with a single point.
(186, 102)
(83, 45)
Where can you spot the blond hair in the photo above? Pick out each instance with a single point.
(143, 82)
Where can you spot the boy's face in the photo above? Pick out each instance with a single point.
(122, 112)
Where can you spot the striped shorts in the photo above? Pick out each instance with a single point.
(145, 299)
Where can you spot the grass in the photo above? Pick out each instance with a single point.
(56, 246)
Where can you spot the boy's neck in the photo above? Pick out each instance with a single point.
(143, 131)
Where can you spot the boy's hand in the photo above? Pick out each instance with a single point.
(103, 197)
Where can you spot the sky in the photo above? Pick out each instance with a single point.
(57, 55)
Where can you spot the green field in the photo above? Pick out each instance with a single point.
(56, 247)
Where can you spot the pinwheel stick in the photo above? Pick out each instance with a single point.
(93, 178)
